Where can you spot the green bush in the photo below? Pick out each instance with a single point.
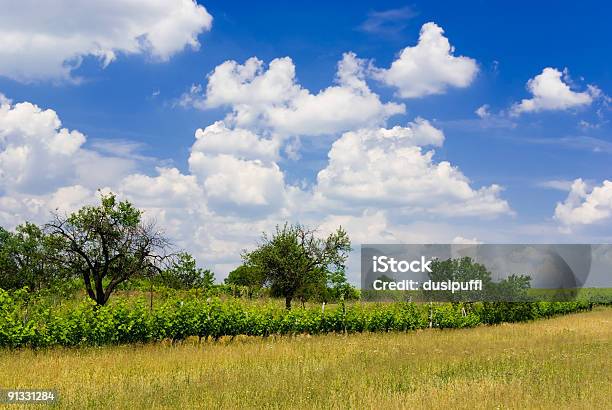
(176, 319)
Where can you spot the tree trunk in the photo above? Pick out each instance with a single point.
(100, 299)
(88, 287)
(99, 290)
(288, 302)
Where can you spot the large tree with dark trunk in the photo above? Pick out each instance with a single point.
(294, 259)
(107, 245)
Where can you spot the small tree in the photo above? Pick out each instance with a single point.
(339, 288)
(248, 276)
(514, 288)
(184, 274)
(107, 245)
(293, 259)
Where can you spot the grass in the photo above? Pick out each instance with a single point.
(563, 362)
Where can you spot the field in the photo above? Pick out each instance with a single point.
(563, 362)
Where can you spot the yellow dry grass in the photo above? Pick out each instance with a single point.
(563, 362)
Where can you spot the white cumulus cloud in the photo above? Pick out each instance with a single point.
(46, 40)
(583, 206)
(237, 168)
(550, 92)
(388, 168)
(272, 98)
(37, 155)
(430, 67)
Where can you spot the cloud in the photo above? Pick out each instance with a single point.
(37, 155)
(388, 168)
(4, 100)
(179, 203)
(460, 240)
(556, 184)
(174, 200)
(429, 67)
(273, 100)
(120, 148)
(235, 189)
(551, 93)
(388, 22)
(483, 111)
(582, 207)
(219, 139)
(169, 188)
(18, 207)
(371, 226)
(47, 40)
(238, 169)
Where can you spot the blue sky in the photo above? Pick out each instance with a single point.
(131, 109)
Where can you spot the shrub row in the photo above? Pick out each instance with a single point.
(119, 323)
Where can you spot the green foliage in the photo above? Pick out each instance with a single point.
(183, 274)
(107, 245)
(336, 289)
(25, 324)
(26, 258)
(295, 262)
(514, 288)
(460, 270)
(247, 276)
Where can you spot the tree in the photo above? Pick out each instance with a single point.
(333, 286)
(514, 288)
(339, 288)
(107, 245)
(183, 274)
(315, 288)
(248, 276)
(8, 267)
(25, 258)
(464, 269)
(460, 270)
(293, 259)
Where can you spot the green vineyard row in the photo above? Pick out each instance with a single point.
(120, 323)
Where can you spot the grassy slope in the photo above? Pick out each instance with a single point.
(558, 363)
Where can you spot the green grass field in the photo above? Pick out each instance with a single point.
(563, 362)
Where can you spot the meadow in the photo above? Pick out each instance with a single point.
(562, 362)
